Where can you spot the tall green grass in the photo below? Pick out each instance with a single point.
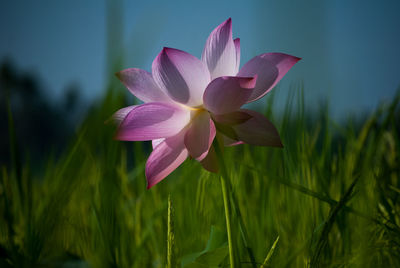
(331, 196)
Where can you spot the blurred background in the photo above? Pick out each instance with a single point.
(58, 58)
(349, 49)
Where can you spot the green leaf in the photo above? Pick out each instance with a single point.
(214, 257)
(213, 254)
(269, 255)
(216, 240)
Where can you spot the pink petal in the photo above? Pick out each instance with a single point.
(234, 118)
(120, 115)
(237, 49)
(153, 120)
(156, 142)
(141, 84)
(165, 158)
(182, 76)
(210, 162)
(219, 52)
(257, 130)
(270, 68)
(231, 142)
(200, 135)
(227, 94)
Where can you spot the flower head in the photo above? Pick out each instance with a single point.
(187, 101)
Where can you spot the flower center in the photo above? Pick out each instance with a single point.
(198, 108)
(194, 112)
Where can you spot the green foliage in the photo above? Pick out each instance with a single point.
(270, 252)
(90, 207)
(213, 254)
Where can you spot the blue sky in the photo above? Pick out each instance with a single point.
(350, 49)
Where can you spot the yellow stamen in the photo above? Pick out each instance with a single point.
(199, 108)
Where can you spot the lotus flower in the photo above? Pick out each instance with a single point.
(188, 101)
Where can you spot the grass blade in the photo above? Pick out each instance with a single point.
(171, 236)
(270, 252)
(323, 240)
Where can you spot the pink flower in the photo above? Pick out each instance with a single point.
(187, 101)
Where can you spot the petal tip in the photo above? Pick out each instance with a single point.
(118, 74)
(227, 23)
(292, 59)
(296, 59)
(148, 187)
(124, 74)
(277, 143)
(149, 179)
(117, 136)
(167, 50)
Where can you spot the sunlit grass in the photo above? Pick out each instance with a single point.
(331, 195)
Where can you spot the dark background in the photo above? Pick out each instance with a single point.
(58, 58)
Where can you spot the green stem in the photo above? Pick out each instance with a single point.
(227, 204)
(170, 239)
